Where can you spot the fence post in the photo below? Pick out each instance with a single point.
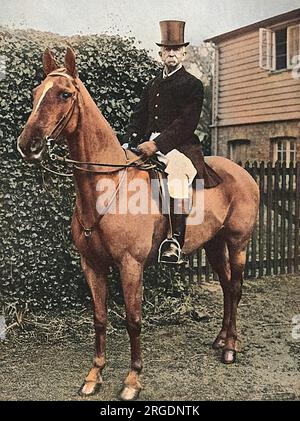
(290, 219)
(199, 265)
(297, 218)
(269, 218)
(276, 219)
(247, 167)
(282, 225)
(254, 235)
(261, 218)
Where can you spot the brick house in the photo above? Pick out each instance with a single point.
(256, 91)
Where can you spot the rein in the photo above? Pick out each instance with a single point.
(143, 165)
(129, 163)
(58, 129)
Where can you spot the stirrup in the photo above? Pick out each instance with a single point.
(164, 245)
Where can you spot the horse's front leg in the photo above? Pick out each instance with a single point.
(97, 281)
(131, 275)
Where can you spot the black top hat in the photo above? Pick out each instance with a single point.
(172, 33)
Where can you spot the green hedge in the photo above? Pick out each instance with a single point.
(38, 263)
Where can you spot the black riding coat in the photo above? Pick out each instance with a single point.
(172, 107)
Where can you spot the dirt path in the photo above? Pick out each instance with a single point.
(179, 363)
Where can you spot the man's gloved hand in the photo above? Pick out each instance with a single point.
(148, 148)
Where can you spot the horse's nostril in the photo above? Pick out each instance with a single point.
(36, 146)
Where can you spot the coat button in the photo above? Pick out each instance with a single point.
(156, 105)
(157, 94)
(156, 117)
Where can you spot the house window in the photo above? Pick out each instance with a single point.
(238, 150)
(279, 49)
(284, 150)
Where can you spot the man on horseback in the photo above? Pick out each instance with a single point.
(163, 123)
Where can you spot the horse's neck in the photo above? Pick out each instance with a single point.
(92, 141)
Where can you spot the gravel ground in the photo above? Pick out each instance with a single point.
(179, 363)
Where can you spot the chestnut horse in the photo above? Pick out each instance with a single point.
(63, 106)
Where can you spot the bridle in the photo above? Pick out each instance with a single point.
(64, 120)
(52, 137)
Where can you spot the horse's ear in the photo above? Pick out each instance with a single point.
(70, 64)
(49, 62)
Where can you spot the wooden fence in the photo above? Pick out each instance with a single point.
(274, 246)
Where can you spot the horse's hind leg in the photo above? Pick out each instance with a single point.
(97, 282)
(237, 258)
(216, 252)
(131, 276)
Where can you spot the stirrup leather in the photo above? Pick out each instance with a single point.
(164, 246)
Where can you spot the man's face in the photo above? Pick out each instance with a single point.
(172, 56)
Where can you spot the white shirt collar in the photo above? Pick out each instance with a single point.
(165, 74)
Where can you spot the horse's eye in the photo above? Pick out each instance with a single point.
(65, 95)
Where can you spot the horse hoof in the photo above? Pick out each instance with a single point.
(218, 343)
(228, 356)
(129, 393)
(89, 388)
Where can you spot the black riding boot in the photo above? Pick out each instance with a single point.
(172, 253)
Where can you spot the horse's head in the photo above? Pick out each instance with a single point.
(54, 107)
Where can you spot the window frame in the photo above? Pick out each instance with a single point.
(285, 140)
(267, 51)
(290, 56)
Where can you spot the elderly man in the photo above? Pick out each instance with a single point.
(163, 123)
